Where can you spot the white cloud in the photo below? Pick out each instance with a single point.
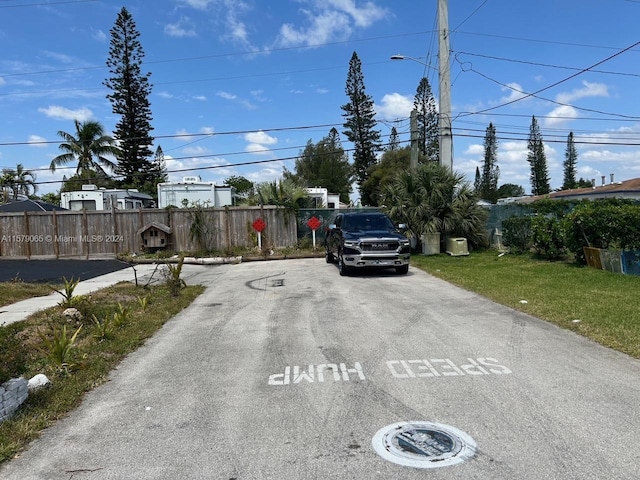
(226, 95)
(323, 27)
(198, 4)
(515, 90)
(258, 142)
(560, 115)
(208, 130)
(196, 151)
(589, 90)
(363, 16)
(183, 135)
(200, 98)
(261, 138)
(99, 35)
(182, 28)
(165, 94)
(37, 141)
(61, 113)
(394, 105)
(329, 20)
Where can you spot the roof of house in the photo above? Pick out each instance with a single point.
(631, 186)
(29, 206)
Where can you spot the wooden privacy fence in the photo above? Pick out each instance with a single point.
(100, 234)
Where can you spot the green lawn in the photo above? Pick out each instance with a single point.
(606, 304)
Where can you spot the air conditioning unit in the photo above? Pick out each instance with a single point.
(457, 247)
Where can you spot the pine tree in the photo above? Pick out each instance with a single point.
(490, 169)
(538, 161)
(477, 183)
(360, 126)
(570, 161)
(394, 141)
(427, 117)
(130, 100)
(159, 166)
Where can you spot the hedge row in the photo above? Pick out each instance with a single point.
(554, 228)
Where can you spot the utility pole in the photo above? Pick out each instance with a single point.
(444, 89)
(415, 148)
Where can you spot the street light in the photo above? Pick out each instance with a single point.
(445, 137)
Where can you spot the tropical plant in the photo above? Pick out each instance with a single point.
(283, 193)
(434, 199)
(59, 346)
(171, 274)
(18, 182)
(68, 298)
(122, 315)
(102, 329)
(143, 302)
(90, 148)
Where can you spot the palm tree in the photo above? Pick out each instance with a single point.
(6, 185)
(90, 148)
(434, 199)
(284, 193)
(25, 181)
(18, 181)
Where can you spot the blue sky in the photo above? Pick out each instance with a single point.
(240, 86)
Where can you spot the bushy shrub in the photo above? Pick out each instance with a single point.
(517, 234)
(548, 236)
(611, 223)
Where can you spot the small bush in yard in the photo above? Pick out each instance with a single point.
(171, 274)
(548, 237)
(517, 234)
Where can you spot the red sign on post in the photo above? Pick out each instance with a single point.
(313, 223)
(259, 225)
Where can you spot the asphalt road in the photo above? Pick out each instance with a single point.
(54, 271)
(231, 388)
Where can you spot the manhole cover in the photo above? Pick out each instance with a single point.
(423, 444)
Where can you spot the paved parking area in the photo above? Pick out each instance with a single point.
(286, 370)
(53, 271)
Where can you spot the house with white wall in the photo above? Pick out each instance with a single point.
(192, 190)
(323, 199)
(91, 197)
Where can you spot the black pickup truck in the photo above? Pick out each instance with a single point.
(366, 239)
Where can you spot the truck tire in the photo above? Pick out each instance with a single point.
(403, 270)
(342, 268)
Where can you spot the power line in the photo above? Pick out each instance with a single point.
(555, 84)
(46, 4)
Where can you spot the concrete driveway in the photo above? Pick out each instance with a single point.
(285, 370)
